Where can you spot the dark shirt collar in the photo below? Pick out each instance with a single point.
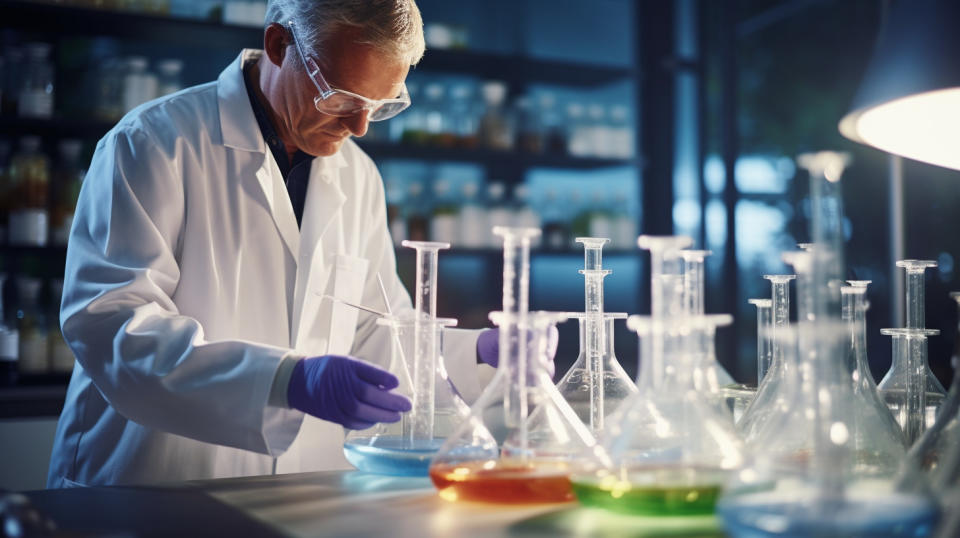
(269, 133)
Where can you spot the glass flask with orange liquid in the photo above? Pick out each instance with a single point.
(521, 440)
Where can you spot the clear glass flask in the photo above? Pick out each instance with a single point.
(670, 449)
(596, 389)
(521, 441)
(910, 389)
(826, 464)
(596, 384)
(406, 448)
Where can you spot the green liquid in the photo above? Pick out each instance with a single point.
(652, 500)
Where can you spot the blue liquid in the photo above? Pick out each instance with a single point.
(890, 516)
(394, 456)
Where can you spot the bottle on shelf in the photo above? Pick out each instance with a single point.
(395, 199)
(68, 177)
(464, 118)
(621, 133)
(578, 137)
(168, 76)
(29, 175)
(9, 344)
(444, 215)
(12, 71)
(61, 358)
(411, 126)
(31, 323)
(437, 119)
(597, 130)
(109, 81)
(552, 125)
(472, 219)
(624, 224)
(600, 217)
(556, 229)
(530, 137)
(139, 84)
(524, 216)
(498, 214)
(37, 85)
(418, 223)
(496, 127)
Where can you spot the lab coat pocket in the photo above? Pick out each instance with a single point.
(346, 283)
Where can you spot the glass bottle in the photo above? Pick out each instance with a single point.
(31, 323)
(556, 229)
(436, 117)
(30, 182)
(168, 76)
(530, 137)
(463, 116)
(139, 85)
(9, 344)
(68, 176)
(498, 210)
(418, 224)
(522, 441)
(37, 86)
(473, 228)
(444, 216)
(496, 126)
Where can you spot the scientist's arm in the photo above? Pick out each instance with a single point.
(152, 364)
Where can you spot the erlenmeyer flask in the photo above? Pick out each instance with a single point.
(405, 448)
(589, 403)
(827, 463)
(910, 389)
(670, 449)
(521, 441)
(928, 451)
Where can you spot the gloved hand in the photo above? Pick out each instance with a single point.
(488, 347)
(346, 391)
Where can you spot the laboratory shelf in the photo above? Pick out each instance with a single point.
(38, 396)
(497, 254)
(47, 19)
(54, 127)
(506, 160)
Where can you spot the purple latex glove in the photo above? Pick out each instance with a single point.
(488, 348)
(346, 391)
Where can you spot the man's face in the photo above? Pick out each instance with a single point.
(347, 66)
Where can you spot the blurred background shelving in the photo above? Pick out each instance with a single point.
(609, 117)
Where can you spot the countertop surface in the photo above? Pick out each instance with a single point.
(337, 503)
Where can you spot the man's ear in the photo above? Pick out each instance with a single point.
(275, 41)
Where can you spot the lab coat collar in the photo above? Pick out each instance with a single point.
(238, 126)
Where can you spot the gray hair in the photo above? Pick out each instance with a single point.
(392, 27)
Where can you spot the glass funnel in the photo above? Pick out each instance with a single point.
(910, 389)
(596, 388)
(405, 448)
(521, 441)
(935, 443)
(669, 448)
(827, 463)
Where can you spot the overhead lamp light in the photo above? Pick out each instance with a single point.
(909, 100)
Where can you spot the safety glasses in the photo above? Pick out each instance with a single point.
(341, 103)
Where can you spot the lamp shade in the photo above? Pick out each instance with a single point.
(909, 101)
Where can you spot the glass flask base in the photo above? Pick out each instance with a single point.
(737, 398)
(892, 516)
(654, 492)
(393, 456)
(895, 399)
(503, 482)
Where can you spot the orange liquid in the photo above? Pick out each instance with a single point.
(503, 482)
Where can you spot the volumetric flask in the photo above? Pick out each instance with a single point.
(669, 448)
(910, 389)
(596, 384)
(521, 441)
(406, 448)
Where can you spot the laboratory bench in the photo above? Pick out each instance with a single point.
(332, 503)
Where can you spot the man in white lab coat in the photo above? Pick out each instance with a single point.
(209, 226)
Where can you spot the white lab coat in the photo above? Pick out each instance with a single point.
(188, 281)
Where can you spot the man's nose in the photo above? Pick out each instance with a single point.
(357, 124)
